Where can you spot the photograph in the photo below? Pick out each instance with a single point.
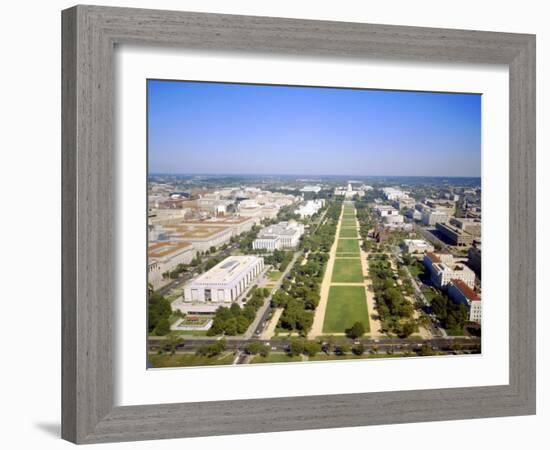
(301, 224)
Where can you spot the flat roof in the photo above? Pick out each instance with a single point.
(434, 258)
(468, 292)
(415, 241)
(226, 270)
(160, 249)
(194, 231)
(218, 221)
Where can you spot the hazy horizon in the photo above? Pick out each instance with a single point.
(239, 129)
(312, 176)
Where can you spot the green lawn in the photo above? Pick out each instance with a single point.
(347, 246)
(347, 271)
(189, 359)
(325, 357)
(190, 332)
(274, 275)
(274, 358)
(348, 232)
(349, 223)
(416, 269)
(346, 305)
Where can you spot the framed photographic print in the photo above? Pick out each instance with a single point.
(285, 219)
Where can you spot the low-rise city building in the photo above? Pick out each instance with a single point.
(418, 246)
(460, 292)
(443, 269)
(385, 211)
(393, 193)
(413, 214)
(404, 202)
(164, 256)
(431, 217)
(455, 236)
(226, 281)
(467, 225)
(388, 214)
(310, 188)
(444, 205)
(278, 236)
(267, 243)
(310, 208)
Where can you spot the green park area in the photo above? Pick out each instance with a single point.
(349, 223)
(348, 232)
(274, 275)
(347, 270)
(347, 246)
(346, 305)
(188, 359)
(275, 358)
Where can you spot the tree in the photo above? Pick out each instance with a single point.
(231, 327)
(407, 329)
(158, 308)
(344, 348)
(426, 350)
(174, 341)
(358, 349)
(255, 348)
(242, 324)
(356, 330)
(296, 347)
(163, 327)
(235, 309)
(213, 349)
(312, 348)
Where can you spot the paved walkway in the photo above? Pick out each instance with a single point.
(269, 331)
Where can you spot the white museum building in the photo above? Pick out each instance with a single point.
(226, 281)
(278, 236)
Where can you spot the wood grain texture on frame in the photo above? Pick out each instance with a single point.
(89, 35)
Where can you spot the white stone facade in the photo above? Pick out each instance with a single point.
(433, 216)
(417, 246)
(310, 208)
(443, 270)
(475, 311)
(164, 256)
(226, 281)
(269, 243)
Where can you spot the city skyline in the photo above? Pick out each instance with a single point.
(240, 129)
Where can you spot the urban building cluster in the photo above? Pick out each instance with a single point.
(349, 191)
(457, 279)
(184, 224)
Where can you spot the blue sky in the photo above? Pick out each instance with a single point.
(220, 128)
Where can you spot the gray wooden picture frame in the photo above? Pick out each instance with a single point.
(89, 36)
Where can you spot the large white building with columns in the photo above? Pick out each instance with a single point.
(281, 235)
(226, 281)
